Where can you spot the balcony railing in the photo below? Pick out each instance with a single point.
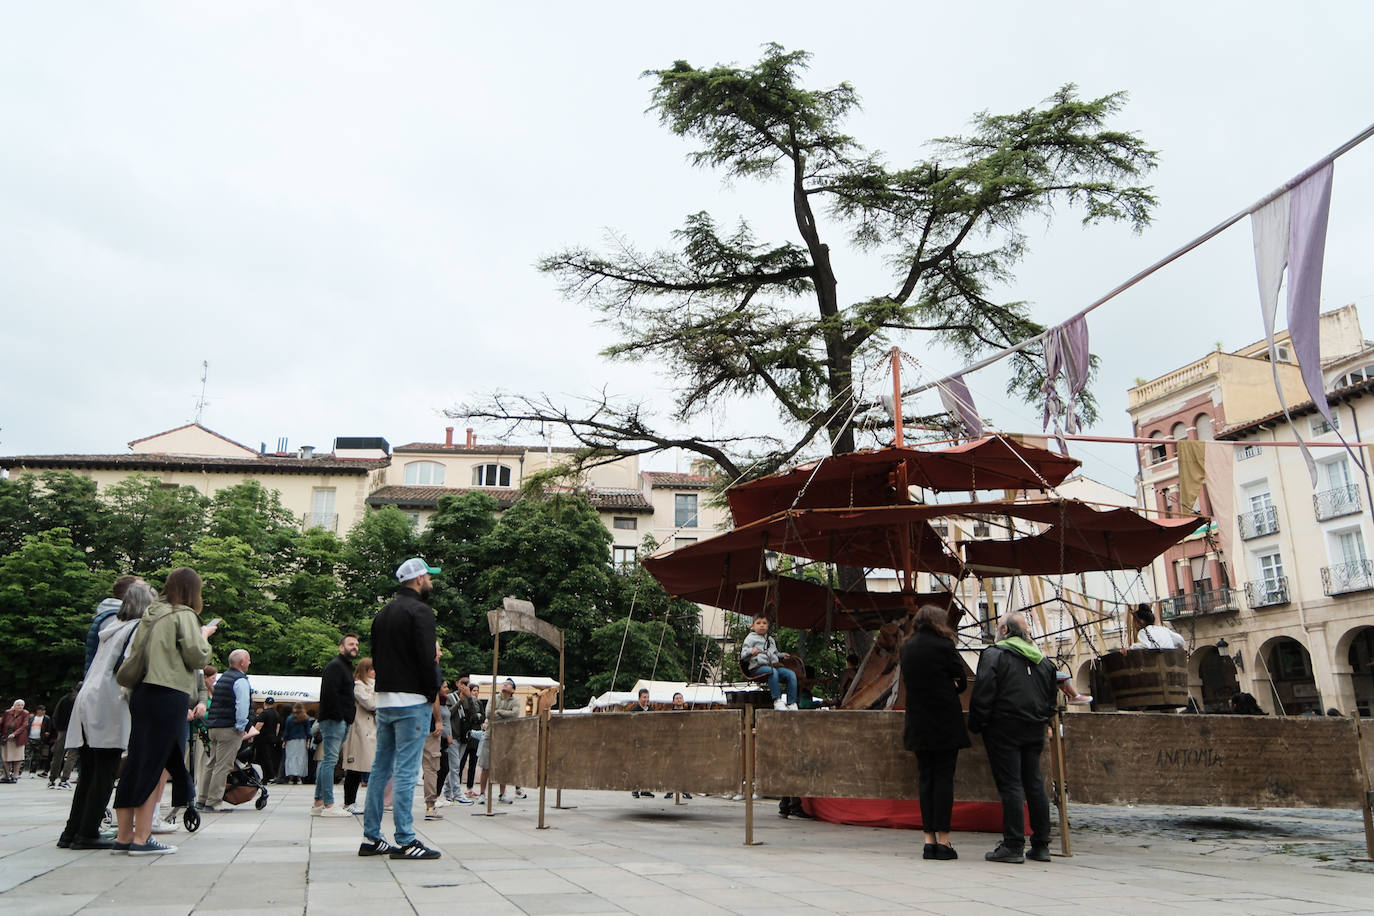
(1259, 522)
(1267, 592)
(1335, 502)
(1213, 601)
(326, 520)
(1342, 578)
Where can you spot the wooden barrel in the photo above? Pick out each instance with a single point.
(1148, 678)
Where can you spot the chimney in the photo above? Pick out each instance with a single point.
(472, 438)
(448, 437)
(307, 451)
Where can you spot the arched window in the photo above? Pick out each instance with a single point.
(1179, 432)
(1203, 423)
(425, 473)
(491, 475)
(1159, 451)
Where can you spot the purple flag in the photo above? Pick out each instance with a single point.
(1309, 208)
(1066, 354)
(954, 394)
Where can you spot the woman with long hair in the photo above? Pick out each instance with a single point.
(361, 744)
(173, 641)
(934, 677)
(296, 735)
(99, 727)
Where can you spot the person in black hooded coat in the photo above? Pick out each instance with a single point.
(934, 677)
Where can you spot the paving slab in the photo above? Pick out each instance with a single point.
(615, 854)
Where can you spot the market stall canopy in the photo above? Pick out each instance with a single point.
(284, 689)
(871, 478)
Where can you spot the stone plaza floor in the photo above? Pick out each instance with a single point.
(616, 854)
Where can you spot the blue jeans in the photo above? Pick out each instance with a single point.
(401, 732)
(332, 731)
(787, 675)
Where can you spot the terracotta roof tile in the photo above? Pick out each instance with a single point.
(415, 497)
(663, 479)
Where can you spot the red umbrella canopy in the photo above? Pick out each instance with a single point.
(803, 605)
(872, 478)
(1073, 537)
(1079, 538)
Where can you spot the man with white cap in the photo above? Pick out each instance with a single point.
(407, 683)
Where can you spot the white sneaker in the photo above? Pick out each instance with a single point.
(792, 707)
(354, 808)
(736, 797)
(441, 802)
(1083, 699)
(161, 826)
(780, 704)
(334, 811)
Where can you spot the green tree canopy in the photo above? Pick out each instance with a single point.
(726, 314)
(147, 522)
(48, 593)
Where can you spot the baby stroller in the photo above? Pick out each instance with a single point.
(243, 783)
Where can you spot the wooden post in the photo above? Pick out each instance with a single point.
(1061, 784)
(491, 705)
(749, 776)
(562, 689)
(543, 760)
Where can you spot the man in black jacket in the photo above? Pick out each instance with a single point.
(1012, 701)
(406, 685)
(336, 714)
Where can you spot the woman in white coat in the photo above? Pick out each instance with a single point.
(99, 727)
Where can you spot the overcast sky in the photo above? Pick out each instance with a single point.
(339, 205)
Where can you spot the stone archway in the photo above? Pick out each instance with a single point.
(1358, 646)
(1286, 665)
(1217, 675)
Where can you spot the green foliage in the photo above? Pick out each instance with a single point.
(310, 584)
(253, 514)
(640, 648)
(308, 644)
(67, 500)
(148, 522)
(17, 497)
(725, 314)
(47, 596)
(381, 541)
(235, 589)
(287, 596)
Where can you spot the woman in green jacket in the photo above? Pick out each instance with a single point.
(174, 642)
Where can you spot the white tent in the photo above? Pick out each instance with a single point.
(284, 689)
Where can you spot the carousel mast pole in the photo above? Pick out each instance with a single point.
(897, 397)
(908, 573)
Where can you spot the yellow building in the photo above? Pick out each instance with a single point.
(318, 489)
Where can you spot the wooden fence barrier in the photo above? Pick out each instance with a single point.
(1110, 758)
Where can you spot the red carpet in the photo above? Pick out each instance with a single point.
(978, 817)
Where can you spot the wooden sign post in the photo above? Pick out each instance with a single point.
(517, 615)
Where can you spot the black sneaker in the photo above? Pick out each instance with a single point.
(1004, 853)
(414, 850)
(377, 847)
(928, 852)
(1039, 854)
(945, 852)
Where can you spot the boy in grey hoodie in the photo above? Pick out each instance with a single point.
(760, 656)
